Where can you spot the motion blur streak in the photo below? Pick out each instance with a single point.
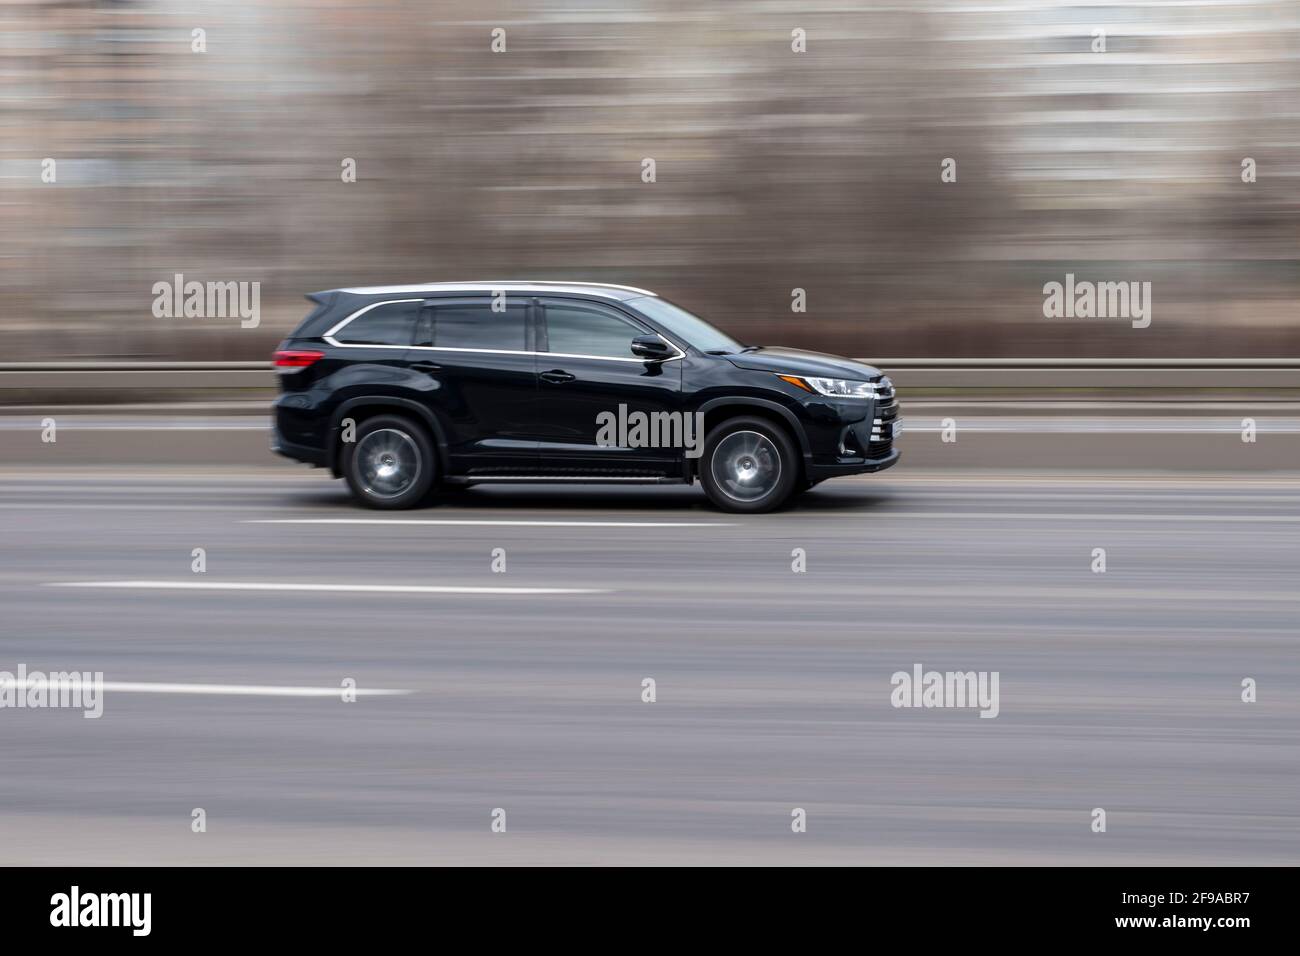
(776, 170)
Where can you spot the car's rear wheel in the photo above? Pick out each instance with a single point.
(749, 465)
(391, 464)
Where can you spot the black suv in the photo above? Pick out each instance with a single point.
(400, 389)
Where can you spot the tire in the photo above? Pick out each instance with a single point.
(391, 465)
(749, 466)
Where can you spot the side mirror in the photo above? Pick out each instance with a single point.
(651, 347)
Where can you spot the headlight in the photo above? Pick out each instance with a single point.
(836, 387)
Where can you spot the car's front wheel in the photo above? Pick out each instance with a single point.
(391, 464)
(749, 465)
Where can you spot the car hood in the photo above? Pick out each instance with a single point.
(799, 362)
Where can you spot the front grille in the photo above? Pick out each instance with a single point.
(884, 427)
(884, 388)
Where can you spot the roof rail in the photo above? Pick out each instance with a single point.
(599, 285)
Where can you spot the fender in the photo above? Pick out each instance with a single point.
(770, 406)
(403, 404)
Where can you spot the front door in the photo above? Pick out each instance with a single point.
(603, 410)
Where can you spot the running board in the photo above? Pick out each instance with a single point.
(564, 479)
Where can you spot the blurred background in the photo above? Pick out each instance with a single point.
(775, 170)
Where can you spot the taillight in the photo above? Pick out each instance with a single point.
(291, 358)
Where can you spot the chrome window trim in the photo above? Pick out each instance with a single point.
(329, 337)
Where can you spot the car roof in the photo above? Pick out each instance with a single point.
(602, 289)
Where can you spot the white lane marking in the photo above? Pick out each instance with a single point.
(252, 690)
(117, 506)
(497, 523)
(158, 428)
(1075, 424)
(889, 595)
(161, 425)
(928, 423)
(1101, 496)
(292, 586)
(1085, 516)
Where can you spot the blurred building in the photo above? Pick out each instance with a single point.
(775, 169)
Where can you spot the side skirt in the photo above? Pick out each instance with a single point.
(563, 479)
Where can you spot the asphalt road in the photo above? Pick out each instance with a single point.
(1200, 437)
(1118, 690)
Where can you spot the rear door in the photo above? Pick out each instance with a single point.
(363, 356)
(479, 377)
(589, 380)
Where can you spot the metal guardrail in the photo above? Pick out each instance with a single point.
(1109, 363)
(134, 376)
(129, 366)
(1136, 374)
(924, 373)
(954, 363)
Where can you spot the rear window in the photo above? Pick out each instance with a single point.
(473, 325)
(391, 323)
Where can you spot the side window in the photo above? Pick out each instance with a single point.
(473, 325)
(392, 323)
(588, 330)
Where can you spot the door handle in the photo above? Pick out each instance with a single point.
(557, 376)
(425, 367)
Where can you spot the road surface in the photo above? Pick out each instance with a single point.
(1016, 437)
(1118, 690)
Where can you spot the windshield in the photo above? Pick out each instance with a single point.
(691, 329)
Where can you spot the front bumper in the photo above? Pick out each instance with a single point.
(852, 466)
(850, 439)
